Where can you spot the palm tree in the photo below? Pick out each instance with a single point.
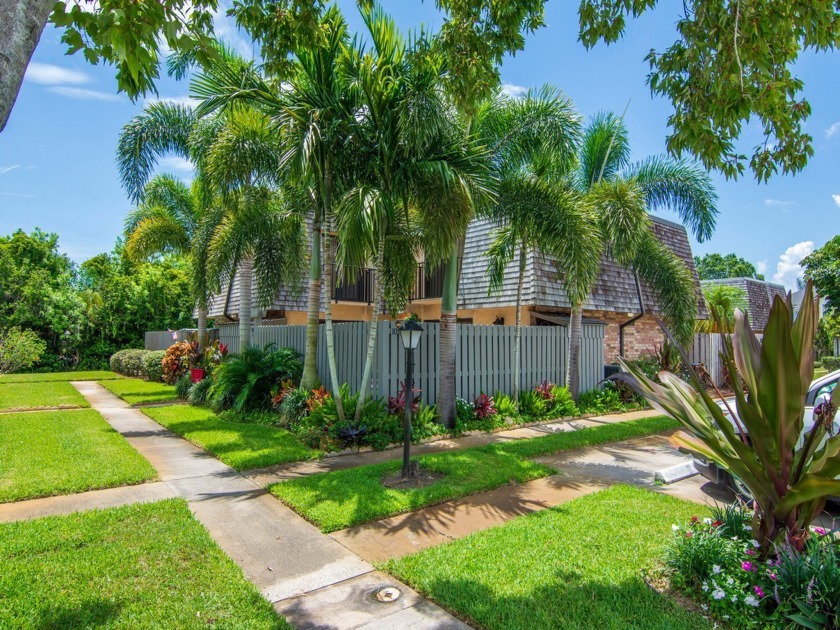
(621, 194)
(534, 211)
(404, 134)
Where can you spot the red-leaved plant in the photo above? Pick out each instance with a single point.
(484, 407)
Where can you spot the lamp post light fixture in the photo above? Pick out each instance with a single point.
(410, 331)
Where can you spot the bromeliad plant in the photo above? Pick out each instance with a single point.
(789, 474)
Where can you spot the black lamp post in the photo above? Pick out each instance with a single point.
(410, 331)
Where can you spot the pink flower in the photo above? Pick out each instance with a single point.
(772, 576)
(750, 552)
(688, 534)
(717, 523)
(694, 519)
(758, 591)
(820, 531)
(747, 566)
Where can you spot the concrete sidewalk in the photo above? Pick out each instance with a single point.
(284, 472)
(312, 580)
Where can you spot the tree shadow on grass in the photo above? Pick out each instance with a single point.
(89, 613)
(568, 600)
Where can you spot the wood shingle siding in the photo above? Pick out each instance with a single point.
(759, 295)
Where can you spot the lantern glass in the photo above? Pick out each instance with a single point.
(410, 335)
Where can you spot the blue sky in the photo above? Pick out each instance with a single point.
(57, 167)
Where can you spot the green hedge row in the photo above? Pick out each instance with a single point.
(146, 364)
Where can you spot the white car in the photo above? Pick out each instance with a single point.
(819, 392)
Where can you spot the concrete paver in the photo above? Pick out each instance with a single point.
(91, 500)
(285, 556)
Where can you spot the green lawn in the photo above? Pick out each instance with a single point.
(90, 375)
(43, 394)
(140, 566)
(578, 565)
(135, 391)
(239, 445)
(61, 452)
(345, 498)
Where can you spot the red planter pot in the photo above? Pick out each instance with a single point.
(196, 374)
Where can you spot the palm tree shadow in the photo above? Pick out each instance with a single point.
(89, 613)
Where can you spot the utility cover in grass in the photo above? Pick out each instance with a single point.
(61, 452)
(141, 566)
(579, 565)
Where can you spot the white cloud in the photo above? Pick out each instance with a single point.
(84, 94)
(22, 195)
(832, 130)
(228, 32)
(516, 91)
(778, 203)
(761, 266)
(836, 200)
(48, 74)
(6, 169)
(788, 269)
(175, 163)
(186, 101)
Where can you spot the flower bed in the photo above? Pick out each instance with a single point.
(718, 562)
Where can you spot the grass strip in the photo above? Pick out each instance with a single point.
(135, 391)
(239, 445)
(141, 566)
(579, 565)
(61, 452)
(345, 498)
(35, 395)
(49, 377)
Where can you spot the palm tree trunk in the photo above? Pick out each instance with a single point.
(329, 266)
(374, 326)
(246, 275)
(448, 340)
(310, 360)
(573, 363)
(517, 335)
(201, 313)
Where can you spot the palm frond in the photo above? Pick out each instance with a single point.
(622, 215)
(605, 150)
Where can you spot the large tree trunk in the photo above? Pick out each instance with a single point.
(517, 335)
(573, 363)
(448, 341)
(246, 275)
(374, 326)
(313, 316)
(21, 25)
(201, 313)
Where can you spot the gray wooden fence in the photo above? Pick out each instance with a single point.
(162, 339)
(483, 359)
(706, 349)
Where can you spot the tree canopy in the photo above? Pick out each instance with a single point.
(718, 267)
(823, 267)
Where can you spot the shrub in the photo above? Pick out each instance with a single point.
(831, 363)
(200, 391)
(788, 471)
(483, 407)
(247, 381)
(152, 369)
(396, 404)
(128, 362)
(505, 406)
(560, 403)
(531, 405)
(717, 560)
(293, 407)
(19, 350)
(175, 364)
(464, 412)
(183, 386)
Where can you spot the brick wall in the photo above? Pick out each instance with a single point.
(640, 337)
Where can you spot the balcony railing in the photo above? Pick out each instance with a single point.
(428, 284)
(356, 284)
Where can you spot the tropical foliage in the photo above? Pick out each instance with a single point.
(716, 267)
(247, 381)
(721, 302)
(19, 350)
(788, 470)
(823, 269)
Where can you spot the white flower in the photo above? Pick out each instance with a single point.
(734, 538)
(707, 521)
(734, 599)
(747, 528)
(718, 594)
(716, 569)
(705, 587)
(675, 528)
(755, 543)
(749, 600)
(704, 607)
(730, 581)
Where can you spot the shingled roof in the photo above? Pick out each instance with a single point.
(614, 290)
(760, 294)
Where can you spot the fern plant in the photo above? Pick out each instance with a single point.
(246, 381)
